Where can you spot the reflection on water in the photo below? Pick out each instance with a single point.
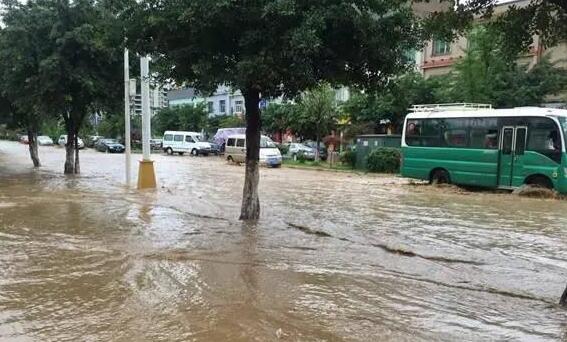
(335, 256)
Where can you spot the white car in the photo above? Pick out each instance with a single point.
(235, 150)
(44, 140)
(63, 141)
(185, 142)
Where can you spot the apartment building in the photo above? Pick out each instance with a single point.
(438, 56)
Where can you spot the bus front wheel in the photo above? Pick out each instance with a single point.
(440, 176)
(540, 182)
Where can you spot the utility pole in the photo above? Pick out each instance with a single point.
(146, 174)
(127, 134)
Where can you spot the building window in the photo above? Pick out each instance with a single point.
(441, 47)
(238, 106)
(222, 106)
(210, 107)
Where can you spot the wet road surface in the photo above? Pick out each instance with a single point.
(334, 257)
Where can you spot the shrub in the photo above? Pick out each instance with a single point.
(384, 159)
(348, 158)
(301, 157)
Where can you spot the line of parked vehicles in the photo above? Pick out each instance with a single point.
(228, 141)
(232, 143)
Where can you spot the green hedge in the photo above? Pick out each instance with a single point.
(348, 158)
(384, 160)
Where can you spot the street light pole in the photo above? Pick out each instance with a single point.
(144, 63)
(127, 115)
(146, 174)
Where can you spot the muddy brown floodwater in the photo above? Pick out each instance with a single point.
(334, 257)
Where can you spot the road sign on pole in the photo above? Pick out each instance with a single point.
(146, 174)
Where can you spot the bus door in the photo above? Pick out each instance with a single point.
(512, 148)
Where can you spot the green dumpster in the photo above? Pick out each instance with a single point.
(366, 143)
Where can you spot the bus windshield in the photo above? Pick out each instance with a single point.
(563, 121)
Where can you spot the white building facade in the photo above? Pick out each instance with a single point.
(226, 101)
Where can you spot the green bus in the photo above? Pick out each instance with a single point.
(481, 146)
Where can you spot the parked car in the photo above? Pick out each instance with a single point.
(156, 144)
(109, 145)
(322, 148)
(216, 149)
(44, 140)
(235, 150)
(296, 149)
(185, 142)
(92, 139)
(63, 141)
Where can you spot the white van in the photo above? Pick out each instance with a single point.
(63, 141)
(185, 142)
(235, 150)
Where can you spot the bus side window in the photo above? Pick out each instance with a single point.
(230, 142)
(520, 141)
(507, 141)
(240, 142)
(484, 133)
(413, 133)
(456, 132)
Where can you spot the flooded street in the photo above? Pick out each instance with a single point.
(335, 256)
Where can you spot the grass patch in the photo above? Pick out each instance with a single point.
(313, 165)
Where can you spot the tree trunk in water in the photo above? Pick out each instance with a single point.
(317, 156)
(563, 300)
(77, 165)
(32, 139)
(250, 201)
(70, 153)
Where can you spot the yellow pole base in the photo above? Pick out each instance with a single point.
(146, 175)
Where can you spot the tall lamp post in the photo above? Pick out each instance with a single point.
(127, 134)
(146, 173)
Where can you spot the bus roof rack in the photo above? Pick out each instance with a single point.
(440, 107)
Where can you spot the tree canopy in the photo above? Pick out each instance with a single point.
(278, 47)
(369, 110)
(61, 58)
(317, 113)
(519, 22)
(490, 73)
(181, 118)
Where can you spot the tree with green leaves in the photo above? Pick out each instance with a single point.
(229, 121)
(490, 73)
(518, 23)
(270, 48)
(20, 54)
(70, 62)
(180, 118)
(391, 103)
(317, 114)
(277, 117)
